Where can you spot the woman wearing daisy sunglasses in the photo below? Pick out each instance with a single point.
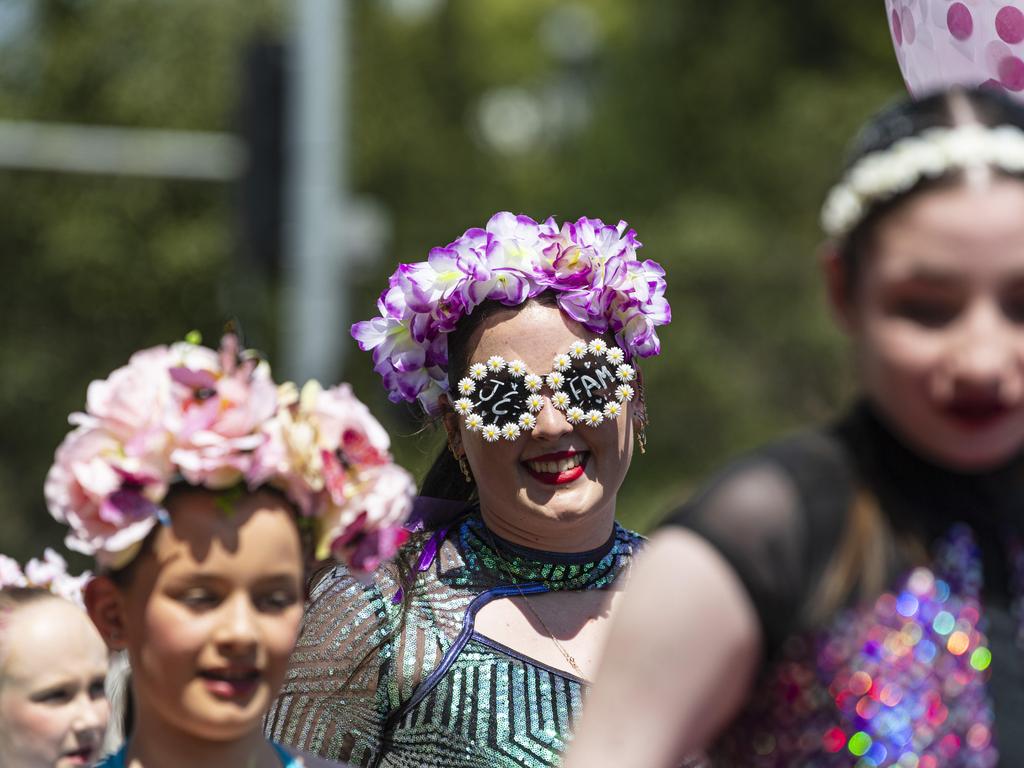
(474, 647)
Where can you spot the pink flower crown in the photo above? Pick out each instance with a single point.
(216, 419)
(591, 265)
(50, 573)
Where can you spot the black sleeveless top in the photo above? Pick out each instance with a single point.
(780, 515)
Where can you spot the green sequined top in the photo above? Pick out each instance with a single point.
(393, 673)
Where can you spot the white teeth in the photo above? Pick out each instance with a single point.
(555, 467)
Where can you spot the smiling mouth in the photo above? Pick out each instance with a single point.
(557, 468)
(83, 756)
(234, 683)
(976, 414)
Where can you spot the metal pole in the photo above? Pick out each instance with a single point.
(314, 296)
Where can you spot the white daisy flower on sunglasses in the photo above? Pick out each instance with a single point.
(598, 346)
(612, 410)
(490, 432)
(463, 406)
(535, 403)
(560, 400)
(594, 418)
(477, 371)
(474, 422)
(625, 373)
(467, 386)
(578, 349)
(615, 356)
(517, 368)
(527, 421)
(575, 415)
(533, 382)
(624, 393)
(510, 431)
(561, 362)
(556, 380)
(495, 363)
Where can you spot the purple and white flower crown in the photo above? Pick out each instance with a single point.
(50, 573)
(215, 419)
(591, 265)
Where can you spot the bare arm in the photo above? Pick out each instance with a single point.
(680, 659)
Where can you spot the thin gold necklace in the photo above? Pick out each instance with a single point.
(526, 601)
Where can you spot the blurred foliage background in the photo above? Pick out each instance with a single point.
(714, 128)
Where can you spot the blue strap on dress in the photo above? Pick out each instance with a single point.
(116, 760)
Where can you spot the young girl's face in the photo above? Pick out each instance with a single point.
(53, 710)
(212, 612)
(938, 322)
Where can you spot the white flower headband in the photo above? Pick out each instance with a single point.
(882, 175)
(50, 573)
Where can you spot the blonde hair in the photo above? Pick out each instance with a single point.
(862, 564)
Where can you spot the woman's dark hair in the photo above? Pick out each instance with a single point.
(908, 118)
(444, 479)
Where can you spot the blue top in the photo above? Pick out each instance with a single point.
(116, 760)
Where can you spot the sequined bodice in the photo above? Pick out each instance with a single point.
(899, 682)
(927, 674)
(394, 673)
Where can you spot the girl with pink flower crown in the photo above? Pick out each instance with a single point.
(474, 647)
(53, 709)
(196, 483)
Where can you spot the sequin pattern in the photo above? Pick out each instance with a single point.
(392, 673)
(897, 683)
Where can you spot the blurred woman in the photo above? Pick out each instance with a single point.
(53, 710)
(194, 479)
(852, 595)
(474, 648)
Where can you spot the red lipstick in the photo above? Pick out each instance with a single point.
(975, 415)
(556, 477)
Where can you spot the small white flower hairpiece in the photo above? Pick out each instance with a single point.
(50, 573)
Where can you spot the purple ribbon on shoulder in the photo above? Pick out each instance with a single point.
(430, 513)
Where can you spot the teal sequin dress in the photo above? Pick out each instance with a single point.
(394, 673)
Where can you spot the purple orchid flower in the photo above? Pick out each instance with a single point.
(592, 266)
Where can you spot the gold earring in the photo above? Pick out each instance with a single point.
(463, 464)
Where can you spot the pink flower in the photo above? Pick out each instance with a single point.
(133, 400)
(328, 453)
(377, 498)
(218, 422)
(85, 489)
(364, 551)
(308, 426)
